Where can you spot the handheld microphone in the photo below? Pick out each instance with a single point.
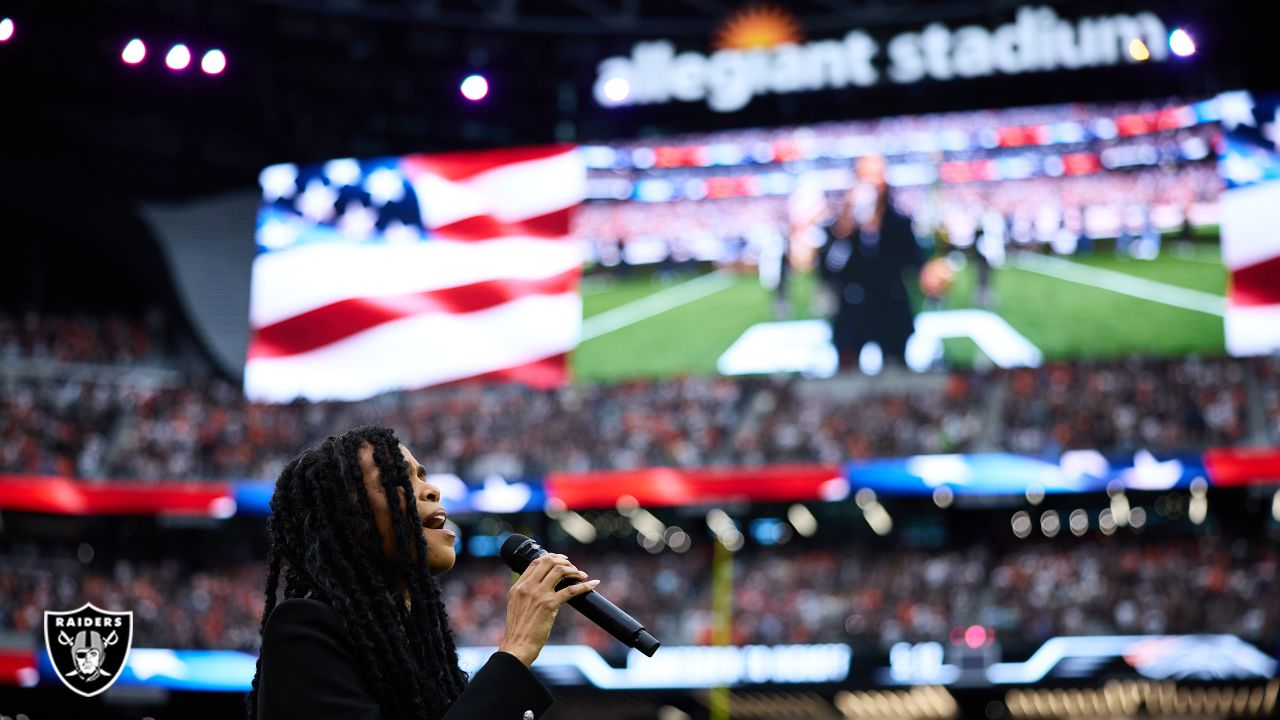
(518, 551)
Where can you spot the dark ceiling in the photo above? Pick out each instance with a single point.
(315, 80)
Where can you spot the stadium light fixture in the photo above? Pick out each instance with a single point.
(577, 527)
(178, 58)
(1035, 493)
(725, 530)
(475, 88)
(7, 28)
(1120, 509)
(1021, 524)
(1138, 50)
(802, 519)
(1079, 522)
(1106, 523)
(647, 524)
(1137, 518)
(1198, 508)
(626, 504)
(213, 62)
(1050, 523)
(677, 539)
(873, 512)
(616, 90)
(135, 51)
(1181, 44)
(943, 496)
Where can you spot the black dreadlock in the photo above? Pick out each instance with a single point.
(324, 540)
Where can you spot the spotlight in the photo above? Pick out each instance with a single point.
(803, 520)
(135, 51)
(1181, 43)
(214, 62)
(1138, 50)
(1021, 523)
(6, 29)
(475, 88)
(1050, 524)
(616, 89)
(179, 57)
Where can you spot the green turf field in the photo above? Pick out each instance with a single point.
(661, 331)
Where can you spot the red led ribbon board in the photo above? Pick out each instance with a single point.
(669, 487)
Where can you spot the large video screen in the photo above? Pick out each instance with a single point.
(1004, 237)
(987, 238)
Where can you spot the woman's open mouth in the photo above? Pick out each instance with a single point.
(436, 521)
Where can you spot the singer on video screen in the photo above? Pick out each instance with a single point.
(361, 632)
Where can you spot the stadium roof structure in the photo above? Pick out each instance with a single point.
(309, 81)
(672, 17)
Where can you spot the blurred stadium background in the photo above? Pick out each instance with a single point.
(590, 295)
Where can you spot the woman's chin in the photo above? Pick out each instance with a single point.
(439, 565)
(441, 554)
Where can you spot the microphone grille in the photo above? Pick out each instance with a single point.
(509, 552)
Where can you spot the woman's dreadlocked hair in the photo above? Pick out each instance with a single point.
(324, 541)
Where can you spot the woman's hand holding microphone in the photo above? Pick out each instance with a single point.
(534, 601)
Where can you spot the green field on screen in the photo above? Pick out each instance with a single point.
(1164, 306)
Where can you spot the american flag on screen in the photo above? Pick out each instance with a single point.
(373, 275)
(1250, 211)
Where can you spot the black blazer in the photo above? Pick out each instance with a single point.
(309, 672)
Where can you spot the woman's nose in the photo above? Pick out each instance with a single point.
(430, 493)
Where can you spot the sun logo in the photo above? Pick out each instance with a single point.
(757, 27)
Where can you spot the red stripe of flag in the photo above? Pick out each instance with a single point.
(1257, 284)
(486, 227)
(544, 374)
(456, 166)
(336, 321)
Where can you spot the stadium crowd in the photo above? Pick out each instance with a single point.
(1127, 405)
(803, 592)
(1026, 595)
(1034, 210)
(174, 605)
(922, 134)
(790, 594)
(821, 427)
(1269, 373)
(206, 429)
(1094, 187)
(114, 338)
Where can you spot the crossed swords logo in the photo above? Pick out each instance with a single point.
(88, 649)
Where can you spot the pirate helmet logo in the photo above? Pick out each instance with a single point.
(88, 646)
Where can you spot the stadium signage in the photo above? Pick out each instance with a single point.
(1036, 41)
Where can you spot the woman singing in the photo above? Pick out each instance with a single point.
(357, 534)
